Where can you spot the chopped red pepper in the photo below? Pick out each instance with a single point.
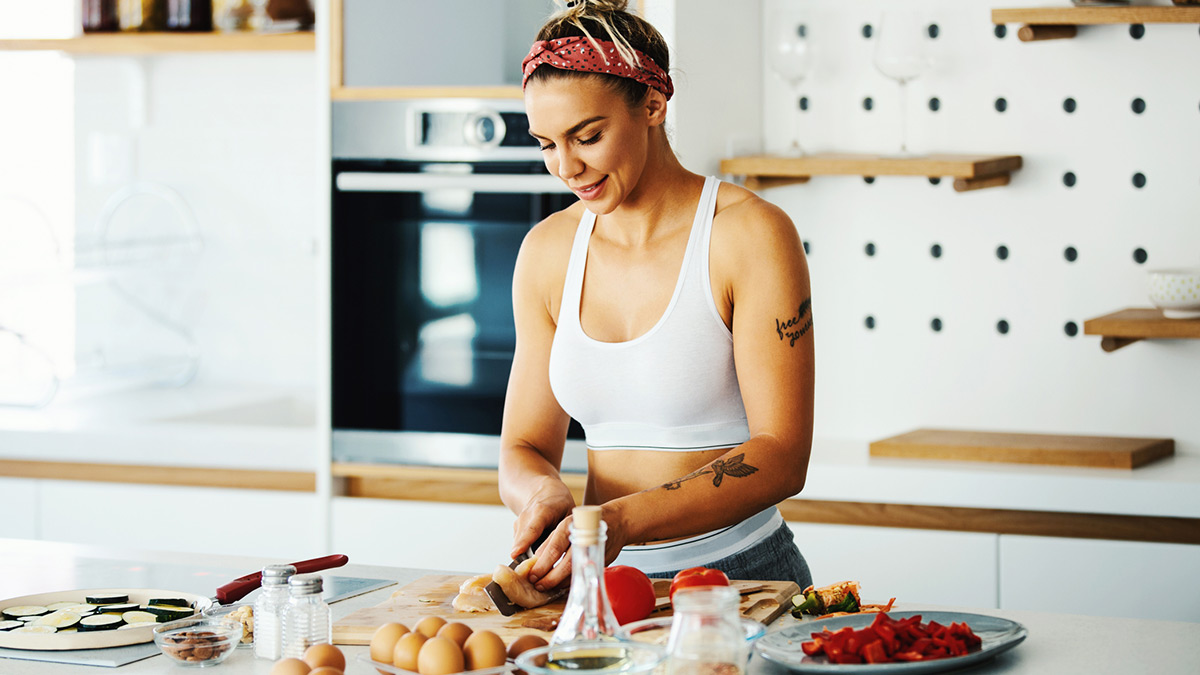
(887, 640)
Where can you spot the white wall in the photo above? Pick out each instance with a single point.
(902, 374)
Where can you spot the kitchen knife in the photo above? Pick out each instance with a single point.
(243, 586)
(499, 599)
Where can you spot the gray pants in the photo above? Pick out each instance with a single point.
(775, 558)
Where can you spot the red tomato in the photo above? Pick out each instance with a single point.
(698, 576)
(630, 593)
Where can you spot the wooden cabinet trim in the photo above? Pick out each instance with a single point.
(248, 479)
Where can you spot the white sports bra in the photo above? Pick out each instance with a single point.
(673, 388)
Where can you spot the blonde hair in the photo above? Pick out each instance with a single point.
(607, 20)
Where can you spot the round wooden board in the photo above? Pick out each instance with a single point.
(91, 639)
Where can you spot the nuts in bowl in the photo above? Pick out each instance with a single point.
(1176, 292)
(203, 641)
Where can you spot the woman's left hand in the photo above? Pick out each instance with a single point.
(553, 566)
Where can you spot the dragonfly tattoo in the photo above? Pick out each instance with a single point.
(734, 466)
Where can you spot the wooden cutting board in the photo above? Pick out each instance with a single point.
(1055, 449)
(431, 596)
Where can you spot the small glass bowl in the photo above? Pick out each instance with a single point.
(198, 641)
(616, 657)
(235, 612)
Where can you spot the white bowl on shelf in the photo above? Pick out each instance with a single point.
(1176, 292)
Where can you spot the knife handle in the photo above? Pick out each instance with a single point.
(243, 586)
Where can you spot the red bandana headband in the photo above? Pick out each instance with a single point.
(580, 54)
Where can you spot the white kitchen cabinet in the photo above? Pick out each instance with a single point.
(914, 566)
(1100, 577)
(20, 522)
(428, 535)
(181, 518)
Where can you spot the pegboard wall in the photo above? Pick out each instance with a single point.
(938, 308)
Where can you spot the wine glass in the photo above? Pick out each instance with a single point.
(790, 55)
(901, 53)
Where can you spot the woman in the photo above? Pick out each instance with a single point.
(667, 312)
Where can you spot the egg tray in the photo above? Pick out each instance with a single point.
(505, 669)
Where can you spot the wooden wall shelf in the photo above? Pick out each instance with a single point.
(158, 43)
(1128, 326)
(1052, 23)
(970, 172)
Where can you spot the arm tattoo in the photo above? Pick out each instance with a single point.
(785, 328)
(734, 466)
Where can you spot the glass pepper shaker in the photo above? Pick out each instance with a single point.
(588, 614)
(268, 611)
(706, 633)
(307, 620)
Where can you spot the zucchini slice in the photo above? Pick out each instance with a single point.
(55, 606)
(139, 624)
(119, 608)
(24, 610)
(59, 620)
(106, 599)
(170, 613)
(83, 608)
(137, 616)
(34, 629)
(100, 622)
(174, 602)
(9, 625)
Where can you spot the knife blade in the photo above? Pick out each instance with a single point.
(499, 599)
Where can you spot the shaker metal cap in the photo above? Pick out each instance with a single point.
(305, 584)
(277, 575)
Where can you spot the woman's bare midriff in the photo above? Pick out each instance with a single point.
(617, 473)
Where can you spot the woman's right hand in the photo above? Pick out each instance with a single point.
(550, 504)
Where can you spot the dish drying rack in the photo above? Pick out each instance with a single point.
(106, 260)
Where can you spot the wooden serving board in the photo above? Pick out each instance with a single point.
(1055, 449)
(431, 596)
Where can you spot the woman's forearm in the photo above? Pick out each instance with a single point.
(523, 472)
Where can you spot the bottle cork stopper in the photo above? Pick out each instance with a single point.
(586, 518)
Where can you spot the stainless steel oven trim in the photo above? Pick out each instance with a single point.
(361, 181)
(421, 448)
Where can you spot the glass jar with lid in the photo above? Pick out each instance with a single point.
(706, 633)
(240, 15)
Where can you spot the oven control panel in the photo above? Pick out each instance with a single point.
(433, 129)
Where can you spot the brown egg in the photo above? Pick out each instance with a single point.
(325, 656)
(484, 649)
(290, 667)
(440, 656)
(383, 642)
(325, 670)
(524, 644)
(430, 625)
(404, 655)
(459, 632)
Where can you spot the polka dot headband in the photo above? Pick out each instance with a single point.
(594, 56)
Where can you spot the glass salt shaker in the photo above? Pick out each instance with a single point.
(588, 614)
(706, 633)
(268, 611)
(307, 620)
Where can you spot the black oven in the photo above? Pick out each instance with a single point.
(431, 201)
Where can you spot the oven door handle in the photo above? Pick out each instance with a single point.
(356, 181)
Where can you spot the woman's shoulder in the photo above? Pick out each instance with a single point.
(743, 219)
(546, 249)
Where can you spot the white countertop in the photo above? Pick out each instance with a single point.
(1057, 643)
(259, 428)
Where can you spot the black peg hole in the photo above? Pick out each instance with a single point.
(1136, 31)
(934, 180)
(1002, 327)
(1069, 179)
(1002, 252)
(804, 103)
(1071, 254)
(1140, 256)
(1138, 106)
(807, 248)
(935, 250)
(1139, 180)
(1000, 31)
(936, 325)
(868, 103)
(1069, 105)
(802, 30)
(934, 104)
(866, 31)
(869, 180)
(934, 31)
(870, 249)
(1071, 329)
(1001, 104)
(870, 323)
